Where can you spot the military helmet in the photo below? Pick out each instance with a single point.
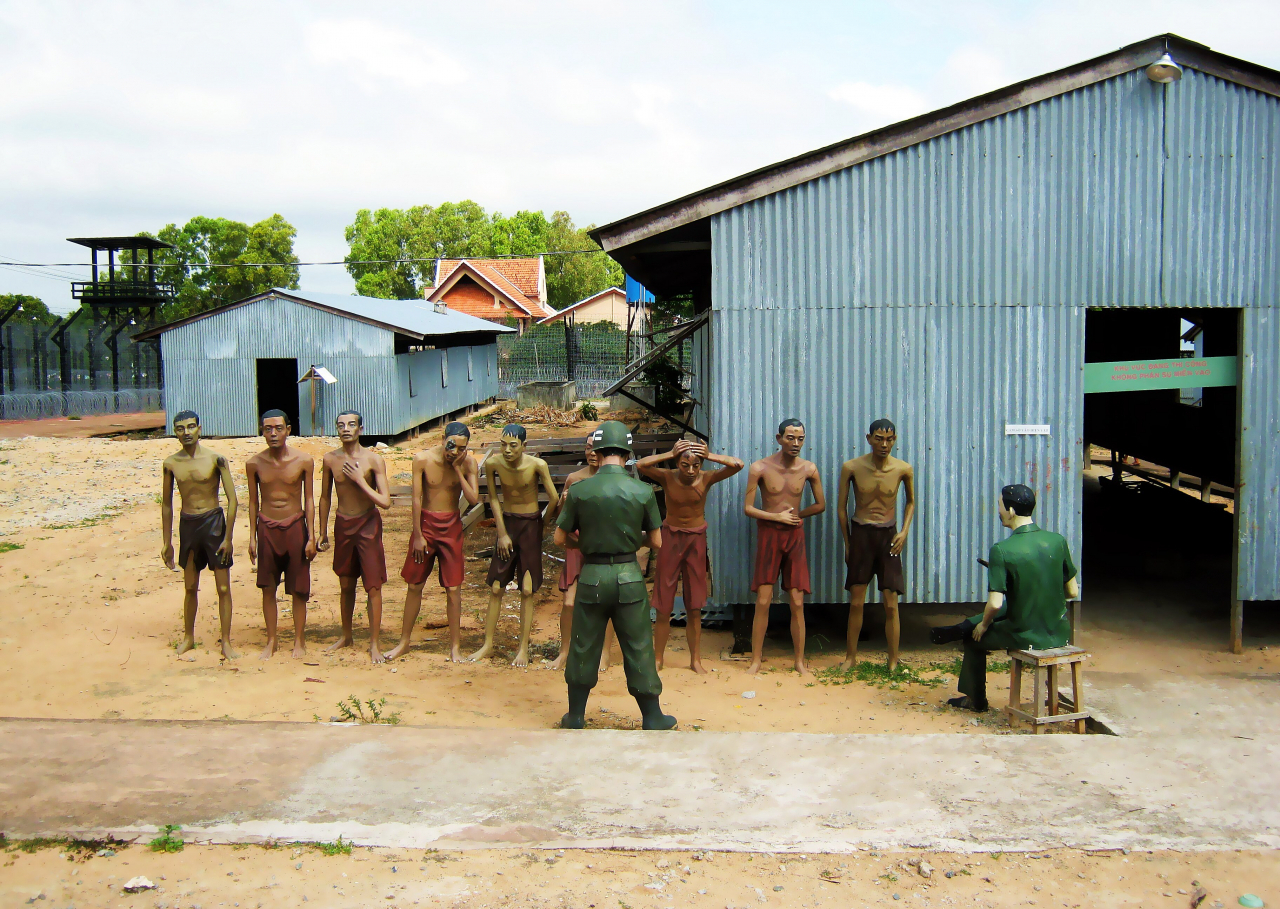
(611, 434)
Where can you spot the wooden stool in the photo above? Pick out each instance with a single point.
(1049, 661)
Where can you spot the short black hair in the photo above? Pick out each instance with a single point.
(1019, 499)
(276, 413)
(515, 429)
(186, 415)
(882, 424)
(457, 429)
(353, 413)
(788, 423)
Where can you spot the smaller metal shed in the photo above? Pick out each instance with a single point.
(400, 363)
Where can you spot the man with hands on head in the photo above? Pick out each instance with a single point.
(441, 475)
(359, 476)
(684, 535)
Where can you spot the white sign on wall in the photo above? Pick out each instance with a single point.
(1026, 429)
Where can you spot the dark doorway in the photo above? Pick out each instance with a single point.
(278, 388)
(1160, 480)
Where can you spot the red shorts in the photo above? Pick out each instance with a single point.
(282, 549)
(780, 548)
(683, 552)
(442, 531)
(572, 568)
(357, 548)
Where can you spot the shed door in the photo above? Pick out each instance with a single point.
(278, 388)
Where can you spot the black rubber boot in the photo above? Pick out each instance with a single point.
(576, 718)
(947, 634)
(651, 711)
(964, 702)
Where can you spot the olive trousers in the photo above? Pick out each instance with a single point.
(613, 593)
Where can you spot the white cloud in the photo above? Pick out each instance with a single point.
(386, 53)
(884, 103)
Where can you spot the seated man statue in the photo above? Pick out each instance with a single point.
(1030, 578)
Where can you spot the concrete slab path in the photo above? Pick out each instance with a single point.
(459, 788)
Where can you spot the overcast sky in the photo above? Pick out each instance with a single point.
(120, 117)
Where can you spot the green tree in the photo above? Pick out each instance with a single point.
(573, 278)
(32, 310)
(209, 264)
(387, 233)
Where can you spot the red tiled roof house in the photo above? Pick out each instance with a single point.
(494, 289)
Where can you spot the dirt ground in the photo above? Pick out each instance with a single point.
(94, 616)
(202, 877)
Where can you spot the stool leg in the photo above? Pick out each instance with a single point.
(1015, 686)
(1077, 692)
(1053, 690)
(1037, 705)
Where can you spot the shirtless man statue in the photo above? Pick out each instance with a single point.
(360, 478)
(518, 551)
(281, 509)
(781, 479)
(441, 475)
(573, 567)
(684, 538)
(204, 532)
(872, 541)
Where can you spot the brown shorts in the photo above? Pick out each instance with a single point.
(683, 552)
(201, 535)
(357, 548)
(572, 568)
(780, 548)
(442, 531)
(282, 549)
(525, 531)
(869, 555)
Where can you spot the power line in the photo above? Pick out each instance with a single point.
(406, 261)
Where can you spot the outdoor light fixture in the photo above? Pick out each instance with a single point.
(1164, 70)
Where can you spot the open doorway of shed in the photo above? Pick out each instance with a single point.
(1159, 482)
(278, 388)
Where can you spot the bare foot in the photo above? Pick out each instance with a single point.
(661, 658)
(848, 663)
(557, 665)
(480, 654)
(456, 656)
(803, 670)
(893, 667)
(229, 652)
(299, 650)
(189, 657)
(268, 651)
(696, 666)
(187, 644)
(522, 659)
(753, 668)
(339, 644)
(398, 650)
(375, 654)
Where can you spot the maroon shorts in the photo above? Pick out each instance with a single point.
(572, 568)
(442, 532)
(357, 548)
(780, 548)
(525, 531)
(869, 556)
(683, 552)
(282, 549)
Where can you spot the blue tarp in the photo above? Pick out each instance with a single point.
(636, 292)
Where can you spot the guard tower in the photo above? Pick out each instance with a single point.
(126, 295)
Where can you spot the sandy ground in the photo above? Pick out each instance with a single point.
(94, 616)
(83, 427)
(203, 877)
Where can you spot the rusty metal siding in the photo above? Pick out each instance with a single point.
(950, 378)
(1258, 567)
(1222, 188)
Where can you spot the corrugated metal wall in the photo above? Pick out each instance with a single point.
(473, 376)
(210, 367)
(944, 286)
(1258, 574)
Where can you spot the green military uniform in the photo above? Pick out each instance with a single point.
(1030, 567)
(611, 511)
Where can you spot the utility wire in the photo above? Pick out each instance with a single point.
(102, 265)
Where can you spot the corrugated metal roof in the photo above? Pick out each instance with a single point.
(416, 318)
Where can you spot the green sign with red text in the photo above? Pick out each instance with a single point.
(1149, 375)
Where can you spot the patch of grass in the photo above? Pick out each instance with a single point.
(168, 840)
(10, 547)
(877, 674)
(93, 521)
(76, 849)
(338, 848)
(588, 411)
(890, 877)
(353, 711)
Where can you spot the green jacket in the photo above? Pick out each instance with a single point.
(1030, 568)
(610, 511)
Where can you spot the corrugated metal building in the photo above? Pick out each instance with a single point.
(399, 363)
(939, 272)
